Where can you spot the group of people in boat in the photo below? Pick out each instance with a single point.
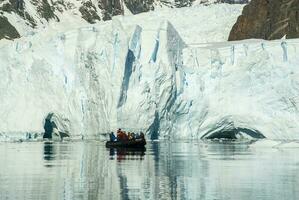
(123, 136)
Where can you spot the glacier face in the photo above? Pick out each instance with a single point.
(251, 85)
(96, 77)
(147, 77)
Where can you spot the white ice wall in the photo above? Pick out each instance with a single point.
(248, 84)
(98, 77)
(146, 77)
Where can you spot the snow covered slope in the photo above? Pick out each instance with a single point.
(153, 76)
(25, 17)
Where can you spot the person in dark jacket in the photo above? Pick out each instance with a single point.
(142, 135)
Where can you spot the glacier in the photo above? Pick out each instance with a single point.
(147, 76)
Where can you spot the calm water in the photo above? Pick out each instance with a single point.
(185, 170)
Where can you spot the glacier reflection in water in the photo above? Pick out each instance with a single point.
(183, 170)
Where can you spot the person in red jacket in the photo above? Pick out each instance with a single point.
(121, 135)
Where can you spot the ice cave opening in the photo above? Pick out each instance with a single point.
(233, 134)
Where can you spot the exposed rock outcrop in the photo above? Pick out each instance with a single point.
(89, 12)
(267, 19)
(7, 30)
(111, 8)
(138, 6)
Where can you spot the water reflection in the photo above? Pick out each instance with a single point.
(183, 170)
(48, 151)
(127, 153)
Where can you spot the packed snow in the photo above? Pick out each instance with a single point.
(169, 74)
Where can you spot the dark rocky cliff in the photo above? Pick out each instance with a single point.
(267, 19)
(7, 30)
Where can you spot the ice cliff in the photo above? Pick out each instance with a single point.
(147, 77)
(97, 77)
(250, 87)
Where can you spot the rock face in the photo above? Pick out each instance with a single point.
(7, 30)
(138, 6)
(89, 12)
(267, 19)
(110, 8)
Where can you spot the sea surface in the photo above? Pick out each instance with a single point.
(164, 170)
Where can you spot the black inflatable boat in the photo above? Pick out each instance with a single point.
(136, 143)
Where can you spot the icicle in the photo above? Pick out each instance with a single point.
(285, 51)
